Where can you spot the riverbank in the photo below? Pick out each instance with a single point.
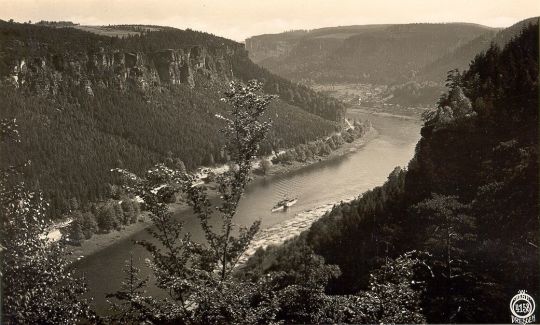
(346, 148)
(99, 242)
(413, 117)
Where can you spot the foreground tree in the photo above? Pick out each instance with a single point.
(131, 296)
(37, 287)
(451, 238)
(198, 276)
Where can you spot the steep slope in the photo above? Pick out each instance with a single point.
(371, 53)
(469, 198)
(461, 57)
(87, 103)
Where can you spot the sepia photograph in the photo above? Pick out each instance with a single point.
(269, 162)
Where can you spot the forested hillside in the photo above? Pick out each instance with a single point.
(461, 57)
(469, 198)
(380, 54)
(86, 103)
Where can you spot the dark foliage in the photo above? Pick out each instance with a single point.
(74, 139)
(38, 286)
(461, 56)
(469, 196)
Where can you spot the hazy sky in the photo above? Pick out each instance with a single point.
(238, 19)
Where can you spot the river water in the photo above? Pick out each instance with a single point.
(314, 186)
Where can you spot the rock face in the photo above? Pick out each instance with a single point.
(261, 49)
(119, 69)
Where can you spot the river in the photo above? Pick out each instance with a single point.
(314, 186)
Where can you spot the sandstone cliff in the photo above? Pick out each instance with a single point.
(118, 69)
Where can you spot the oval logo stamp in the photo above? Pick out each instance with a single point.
(522, 306)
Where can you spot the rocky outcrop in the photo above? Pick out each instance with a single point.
(118, 69)
(261, 49)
